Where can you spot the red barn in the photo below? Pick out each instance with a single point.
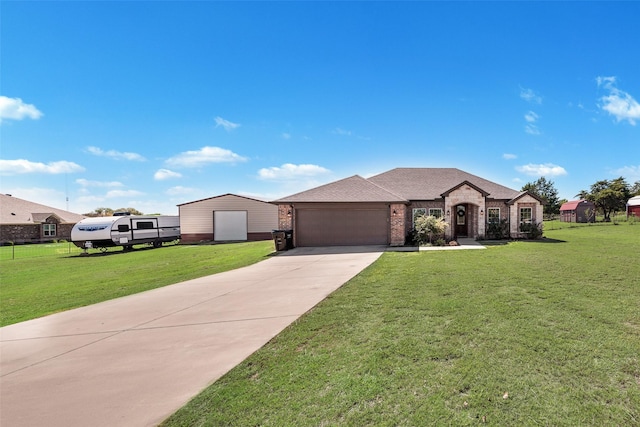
(578, 211)
(633, 207)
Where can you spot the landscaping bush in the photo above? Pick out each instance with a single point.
(429, 227)
(498, 230)
(532, 230)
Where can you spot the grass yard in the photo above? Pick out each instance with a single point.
(524, 334)
(34, 287)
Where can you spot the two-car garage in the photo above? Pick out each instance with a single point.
(350, 212)
(341, 226)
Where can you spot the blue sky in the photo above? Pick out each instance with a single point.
(153, 104)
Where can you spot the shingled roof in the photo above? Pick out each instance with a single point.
(400, 185)
(431, 183)
(18, 211)
(352, 189)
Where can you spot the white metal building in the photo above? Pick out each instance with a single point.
(227, 218)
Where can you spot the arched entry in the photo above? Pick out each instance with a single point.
(461, 220)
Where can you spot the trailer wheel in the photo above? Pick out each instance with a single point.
(157, 244)
(127, 248)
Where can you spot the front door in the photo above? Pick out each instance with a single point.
(460, 220)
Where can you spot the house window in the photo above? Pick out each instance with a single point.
(48, 230)
(525, 215)
(493, 215)
(418, 212)
(437, 212)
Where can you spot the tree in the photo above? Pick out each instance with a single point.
(109, 212)
(100, 212)
(132, 211)
(546, 191)
(608, 195)
(635, 189)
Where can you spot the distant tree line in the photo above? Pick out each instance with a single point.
(609, 196)
(109, 212)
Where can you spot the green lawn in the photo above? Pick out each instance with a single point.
(34, 287)
(540, 333)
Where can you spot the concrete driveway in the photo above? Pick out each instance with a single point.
(135, 360)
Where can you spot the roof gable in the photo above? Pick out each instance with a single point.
(432, 183)
(352, 189)
(526, 193)
(224, 195)
(572, 205)
(475, 187)
(42, 217)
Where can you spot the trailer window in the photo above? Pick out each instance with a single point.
(123, 228)
(144, 225)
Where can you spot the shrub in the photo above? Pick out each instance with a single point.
(427, 227)
(532, 230)
(498, 230)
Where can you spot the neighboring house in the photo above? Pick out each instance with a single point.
(633, 207)
(578, 211)
(22, 221)
(227, 217)
(380, 210)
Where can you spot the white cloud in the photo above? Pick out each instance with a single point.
(226, 124)
(547, 170)
(618, 103)
(179, 191)
(20, 166)
(286, 135)
(162, 174)
(113, 154)
(340, 131)
(530, 96)
(204, 156)
(16, 109)
(290, 171)
(86, 183)
(531, 117)
(631, 173)
(532, 129)
(508, 156)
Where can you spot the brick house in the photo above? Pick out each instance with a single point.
(380, 210)
(22, 221)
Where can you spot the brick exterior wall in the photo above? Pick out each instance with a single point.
(33, 233)
(536, 212)
(397, 224)
(209, 238)
(285, 217)
(475, 202)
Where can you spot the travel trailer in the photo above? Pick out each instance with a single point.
(125, 231)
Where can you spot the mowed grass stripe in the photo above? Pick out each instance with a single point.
(528, 333)
(34, 287)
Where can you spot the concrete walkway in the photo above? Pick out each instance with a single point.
(463, 243)
(135, 360)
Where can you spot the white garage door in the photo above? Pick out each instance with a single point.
(229, 225)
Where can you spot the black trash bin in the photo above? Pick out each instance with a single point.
(279, 239)
(288, 236)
